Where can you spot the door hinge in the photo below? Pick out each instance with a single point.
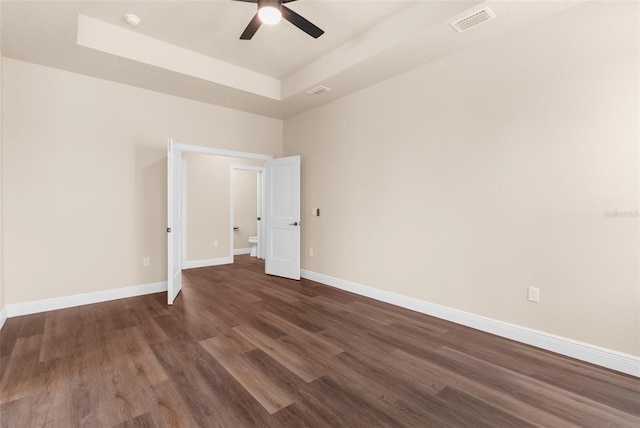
(168, 230)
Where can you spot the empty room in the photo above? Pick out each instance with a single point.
(319, 213)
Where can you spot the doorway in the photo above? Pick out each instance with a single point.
(246, 191)
(280, 223)
(220, 207)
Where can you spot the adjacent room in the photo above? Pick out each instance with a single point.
(364, 213)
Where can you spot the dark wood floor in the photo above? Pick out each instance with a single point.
(241, 349)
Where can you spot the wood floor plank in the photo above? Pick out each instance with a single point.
(50, 403)
(574, 376)
(148, 306)
(167, 407)
(141, 362)
(564, 404)
(106, 392)
(143, 421)
(21, 375)
(17, 413)
(10, 333)
(298, 364)
(286, 297)
(239, 348)
(257, 383)
(33, 325)
(185, 378)
(376, 385)
(206, 388)
(474, 410)
(333, 398)
(509, 402)
(315, 342)
(288, 311)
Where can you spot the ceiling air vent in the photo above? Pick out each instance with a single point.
(318, 91)
(472, 20)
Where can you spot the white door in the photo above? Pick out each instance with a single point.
(283, 217)
(174, 235)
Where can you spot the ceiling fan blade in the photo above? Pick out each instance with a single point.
(301, 23)
(251, 29)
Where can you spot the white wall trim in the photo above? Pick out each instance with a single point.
(3, 316)
(220, 152)
(45, 305)
(604, 357)
(247, 167)
(239, 251)
(192, 264)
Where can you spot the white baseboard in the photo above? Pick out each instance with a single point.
(608, 358)
(45, 305)
(239, 251)
(3, 316)
(192, 264)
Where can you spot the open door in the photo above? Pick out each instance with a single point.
(174, 229)
(283, 217)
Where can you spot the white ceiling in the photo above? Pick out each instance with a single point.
(365, 42)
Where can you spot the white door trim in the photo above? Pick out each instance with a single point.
(262, 226)
(188, 148)
(184, 214)
(260, 188)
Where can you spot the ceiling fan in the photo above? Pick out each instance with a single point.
(271, 11)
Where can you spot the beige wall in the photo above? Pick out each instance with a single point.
(84, 176)
(207, 202)
(468, 180)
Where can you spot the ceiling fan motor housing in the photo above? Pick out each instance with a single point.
(277, 4)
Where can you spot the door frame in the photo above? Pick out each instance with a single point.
(259, 170)
(189, 148)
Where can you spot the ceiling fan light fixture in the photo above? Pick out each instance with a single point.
(270, 11)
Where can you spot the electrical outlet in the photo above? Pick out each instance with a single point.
(146, 262)
(534, 294)
(310, 252)
(215, 244)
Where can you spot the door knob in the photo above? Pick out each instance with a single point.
(295, 223)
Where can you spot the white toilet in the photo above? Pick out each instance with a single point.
(253, 240)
